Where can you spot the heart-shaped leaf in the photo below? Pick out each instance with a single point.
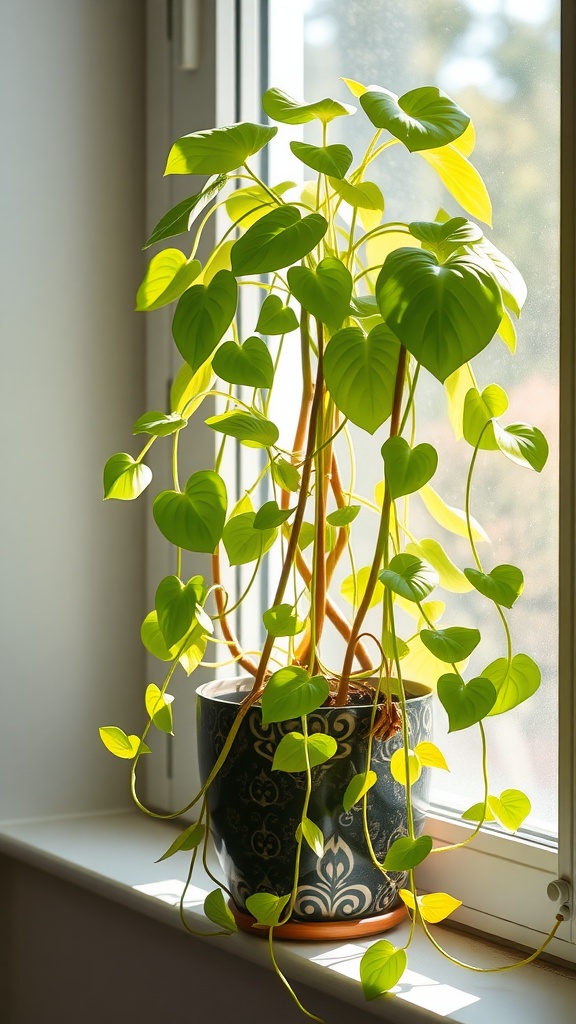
(217, 911)
(118, 743)
(510, 808)
(270, 516)
(343, 516)
(451, 577)
(324, 292)
(274, 318)
(176, 606)
(282, 620)
(266, 907)
(290, 693)
(250, 364)
(169, 273)
(381, 968)
(243, 542)
(218, 150)
(189, 839)
(178, 218)
(290, 755)
(360, 373)
(124, 478)
(430, 756)
(407, 469)
(202, 317)
(192, 650)
(514, 683)
(509, 278)
(443, 237)
(193, 519)
(445, 313)
(159, 708)
(277, 240)
(250, 428)
(452, 519)
(285, 475)
(434, 906)
(312, 834)
(365, 195)
(357, 788)
(398, 766)
(159, 424)
(245, 206)
(479, 411)
(406, 853)
(523, 444)
(188, 390)
(334, 160)
(354, 586)
(465, 703)
(424, 118)
(281, 107)
(409, 577)
(477, 813)
(453, 644)
(503, 584)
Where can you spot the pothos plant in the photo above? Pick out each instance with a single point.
(364, 331)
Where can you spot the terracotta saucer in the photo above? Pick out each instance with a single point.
(321, 931)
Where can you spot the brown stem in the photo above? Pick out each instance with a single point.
(321, 463)
(227, 633)
(381, 541)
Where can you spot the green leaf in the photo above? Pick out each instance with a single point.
(334, 160)
(479, 411)
(243, 542)
(452, 519)
(245, 206)
(218, 150)
(159, 708)
(523, 444)
(250, 428)
(476, 813)
(357, 788)
(343, 516)
(324, 292)
(407, 469)
(465, 703)
(202, 317)
(270, 516)
(217, 911)
(353, 588)
(508, 277)
(121, 745)
(291, 693)
(507, 332)
(453, 644)
(176, 607)
(503, 584)
(312, 834)
(124, 478)
(266, 907)
(281, 107)
(443, 313)
(187, 391)
(189, 839)
(442, 238)
(169, 274)
(290, 755)
(360, 374)
(409, 577)
(274, 318)
(514, 683)
(510, 808)
(406, 853)
(285, 475)
(278, 239)
(250, 364)
(194, 519)
(159, 424)
(381, 968)
(364, 195)
(424, 118)
(451, 577)
(194, 649)
(282, 620)
(178, 219)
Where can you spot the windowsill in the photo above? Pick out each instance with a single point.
(113, 855)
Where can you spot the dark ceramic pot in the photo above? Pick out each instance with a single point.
(254, 811)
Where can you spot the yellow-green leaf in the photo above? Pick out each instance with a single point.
(217, 911)
(169, 274)
(451, 577)
(121, 745)
(466, 142)
(380, 246)
(457, 387)
(354, 592)
(219, 259)
(158, 708)
(430, 756)
(312, 834)
(452, 519)
(188, 390)
(511, 808)
(189, 839)
(358, 787)
(356, 88)
(124, 478)
(507, 332)
(462, 181)
(434, 906)
(398, 766)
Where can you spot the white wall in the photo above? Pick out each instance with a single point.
(71, 385)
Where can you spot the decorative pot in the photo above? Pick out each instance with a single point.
(254, 811)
